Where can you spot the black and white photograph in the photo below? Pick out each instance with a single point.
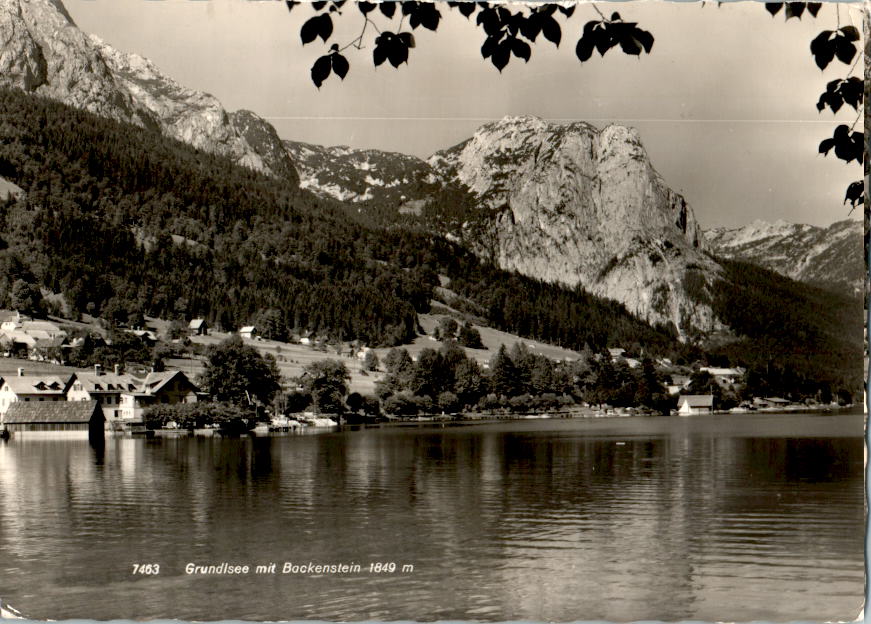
(422, 311)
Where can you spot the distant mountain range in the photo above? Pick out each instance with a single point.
(829, 257)
(568, 204)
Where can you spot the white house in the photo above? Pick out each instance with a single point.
(691, 404)
(248, 332)
(31, 388)
(104, 388)
(166, 388)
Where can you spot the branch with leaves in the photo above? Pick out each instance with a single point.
(840, 43)
(507, 33)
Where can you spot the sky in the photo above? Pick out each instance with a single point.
(725, 102)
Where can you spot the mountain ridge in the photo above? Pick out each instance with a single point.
(45, 53)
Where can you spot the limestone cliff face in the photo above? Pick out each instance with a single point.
(43, 52)
(577, 205)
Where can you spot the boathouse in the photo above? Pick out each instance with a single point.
(76, 416)
(691, 404)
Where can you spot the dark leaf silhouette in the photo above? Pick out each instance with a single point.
(366, 7)
(850, 33)
(321, 70)
(823, 48)
(521, 49)
(814, 7)
(845, 50)
(501, 56)
(310, 30)
(567, 11)
(584, 48)
(794, 9)
(826, 145)
(317, 6)
(340, 65)
(773, 7)
(855, 193)
(387, 8)
(551, 30)
(290, 4)
(490, 45)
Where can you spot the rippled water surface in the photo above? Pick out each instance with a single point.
(726, 517)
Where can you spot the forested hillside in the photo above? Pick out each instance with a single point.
(103, 198)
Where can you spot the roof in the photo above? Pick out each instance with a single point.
(46, 326)
(196, 323)
(616, 351)
(9, 315)
(697, 400)
(17, 335)
(721, 371)
(154, 382)
(48, 385)
(104, 383)
(247, 329)
(21, 412)
(775, 400)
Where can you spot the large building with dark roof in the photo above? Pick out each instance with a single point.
(67, 416)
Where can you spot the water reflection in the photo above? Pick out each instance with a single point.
(552, 520)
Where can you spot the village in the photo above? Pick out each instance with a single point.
(43, 395)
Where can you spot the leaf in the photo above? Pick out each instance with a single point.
(567, 11)
(850, 33)
(823, 49)
(387, 8)
(382, 43)
(310, 30)
(603, 41)
(326, 27)
(826, 145)
(584, 48)
(521, 49)
(501, 56)
(466, 8)
(366, 7)
(340, 65)
(397, 52)
(490, 45)
(855, 193)
(845, 50)
(531, 26)
(551, 30)
(773, 7)
(615, 17)
(645, 38)
(430, 16)
(317, 6)
(630, 45)
(794, 9)
(814, 7)
(290, 4)
(321, 70)
(407, 39)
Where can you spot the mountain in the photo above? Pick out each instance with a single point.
(828, 257)
(358, 176)
(46, 54)
(576, 205)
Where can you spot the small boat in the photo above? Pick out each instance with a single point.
(4, 434)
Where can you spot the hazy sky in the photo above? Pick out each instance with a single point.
(725, 103)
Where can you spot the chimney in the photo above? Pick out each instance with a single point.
(98, 369)
(116, 369)
(21, 372)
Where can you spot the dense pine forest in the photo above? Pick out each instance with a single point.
(124, 222)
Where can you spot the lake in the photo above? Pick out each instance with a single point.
(737, 517)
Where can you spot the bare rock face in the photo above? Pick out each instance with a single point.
(580, 206)
(43, 52)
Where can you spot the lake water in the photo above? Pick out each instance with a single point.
(714, 517)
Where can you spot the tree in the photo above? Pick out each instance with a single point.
(236, 373)
(446, 329)
(26, 297)
(503, 373)
(370, 361)
(327, 383)
(469, 337)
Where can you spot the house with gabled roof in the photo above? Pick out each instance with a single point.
(105, 388)
(31, 389)
(199, 327)
(166, 388)
(24, 418)
(248, 332)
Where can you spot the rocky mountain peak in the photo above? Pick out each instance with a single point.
(583, 206)
(43, 52)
